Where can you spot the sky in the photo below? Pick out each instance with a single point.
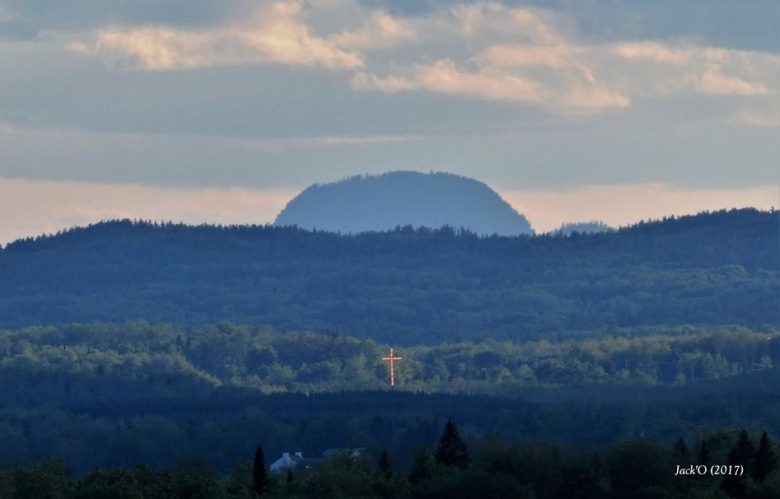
(221, 111)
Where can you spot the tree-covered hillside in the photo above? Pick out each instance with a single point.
(380, 202)
(406, 286)
(120, 394)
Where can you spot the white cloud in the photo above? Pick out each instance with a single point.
(274, 34)
(714, 82)
(687, 68)
(759, 118)
(389, 84)
(653, 51)
(444, 76)
(485, 50)
(381, 30)
(527, 55)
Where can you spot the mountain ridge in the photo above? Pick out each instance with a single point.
(406, 285)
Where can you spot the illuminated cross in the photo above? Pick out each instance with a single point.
(392, 358)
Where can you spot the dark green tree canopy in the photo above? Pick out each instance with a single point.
(259, 474)
(452, 450)
(764, 460)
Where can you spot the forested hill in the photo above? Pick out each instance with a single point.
(403, 286)
(380, 202)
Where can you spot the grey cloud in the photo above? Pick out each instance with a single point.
(748, 25)
(27, 18)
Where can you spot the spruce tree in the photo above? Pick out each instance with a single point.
(680, 450)
(764, 459)
(259, 477)
(704, 454)
(452, 450)
(744, 449)
(733, 485)
(422, 466)
(385, 466)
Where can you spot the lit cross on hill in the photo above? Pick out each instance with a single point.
(392, 358)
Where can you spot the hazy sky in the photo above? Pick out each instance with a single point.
(222, 110)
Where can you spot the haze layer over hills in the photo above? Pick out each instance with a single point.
(383, 202)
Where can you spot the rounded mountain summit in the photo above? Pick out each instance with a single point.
(382, 202)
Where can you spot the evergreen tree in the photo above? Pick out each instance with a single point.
(452, 450)
(744, 450)
(733, 485)
(385, 466)
(764, 459)
(704, 454)
(680, 450)
(744, 447)
(259, 477)
(423, 466)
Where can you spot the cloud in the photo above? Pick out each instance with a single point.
(512, 54)
(686, 68)
(769, 118)
(444, 76)
(525, 55)
(714, 82)
(653, 51)
(274, 34)
(485, 50)
(381, 30)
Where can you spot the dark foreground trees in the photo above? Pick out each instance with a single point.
(452, 450)
(259, 478)
(627, 470)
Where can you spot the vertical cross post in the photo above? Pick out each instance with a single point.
(392, 359)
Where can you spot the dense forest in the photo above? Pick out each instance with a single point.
(127, 346)
(123, 394)
(453, 467)
(308, 362)
(406, 286)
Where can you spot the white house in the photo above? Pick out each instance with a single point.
(292, 461)
(286, 462)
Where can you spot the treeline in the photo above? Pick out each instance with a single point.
(108, 394)
(405, 286)
(270, 361)
(724, 464)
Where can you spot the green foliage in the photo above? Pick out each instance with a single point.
(764, 461)
(107, 355)
(452, 450)
(637, 466)
(259, 478)
(501, 469)
(384, 466)
(402, 287)
(165, 390)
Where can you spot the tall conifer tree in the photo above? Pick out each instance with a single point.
(259, 477)
(452, 450)
(764, 459)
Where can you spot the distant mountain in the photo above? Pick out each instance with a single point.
(383, 202)
(593, 227)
